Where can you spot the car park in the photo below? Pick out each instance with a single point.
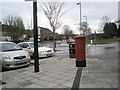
(13, 56)
(42, 50)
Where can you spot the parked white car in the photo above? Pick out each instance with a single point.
(13, 56)
(43, 51)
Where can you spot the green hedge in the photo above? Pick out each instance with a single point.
(103, 41)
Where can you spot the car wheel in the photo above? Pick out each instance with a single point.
(32, 57)
(2, 69)
(28, 65)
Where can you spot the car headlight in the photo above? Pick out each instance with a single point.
(6, 57)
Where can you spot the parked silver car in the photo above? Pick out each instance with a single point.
(12, 56)
(43, 51)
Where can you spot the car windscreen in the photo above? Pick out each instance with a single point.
(9, 47)
(32, 45)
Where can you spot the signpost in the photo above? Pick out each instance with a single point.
(35, 33)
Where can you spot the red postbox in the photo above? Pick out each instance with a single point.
(80, 51)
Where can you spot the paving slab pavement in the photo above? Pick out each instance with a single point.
(60, 71)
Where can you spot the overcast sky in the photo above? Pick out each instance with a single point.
(93, 10)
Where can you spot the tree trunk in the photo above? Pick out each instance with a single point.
(54, 40)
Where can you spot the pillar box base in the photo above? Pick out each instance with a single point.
(81, 63)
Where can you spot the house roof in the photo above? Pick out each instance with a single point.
(45, 29)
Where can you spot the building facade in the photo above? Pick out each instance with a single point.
(44, 34)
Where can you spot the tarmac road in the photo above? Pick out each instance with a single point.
(97, 50)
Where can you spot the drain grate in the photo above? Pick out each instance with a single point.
(76, 83)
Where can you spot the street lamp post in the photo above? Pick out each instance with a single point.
(94, 37)
(86, 25)
(76, 27)
(35, 37)
(80, 14)
(35, 33)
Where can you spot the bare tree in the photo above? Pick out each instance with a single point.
(53, 12)
(14, 26)
(85, 29)
(67, 31)
(14, 21)
(104, 20)
(9, 20)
